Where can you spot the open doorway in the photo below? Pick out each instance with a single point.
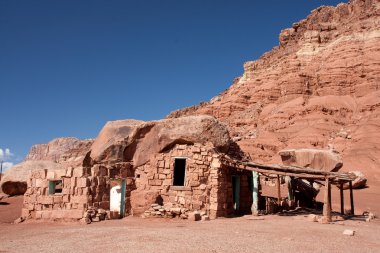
(236, 192)
(117, 198)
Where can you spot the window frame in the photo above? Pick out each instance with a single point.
(52, 187)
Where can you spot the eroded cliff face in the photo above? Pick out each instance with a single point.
(319, 88)
(67, 151)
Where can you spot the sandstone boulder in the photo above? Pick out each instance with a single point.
(359, 182)
(66, 150)
(132, 140)
(14, 180)
(326, 160)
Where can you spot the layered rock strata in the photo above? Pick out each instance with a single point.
(319, 88)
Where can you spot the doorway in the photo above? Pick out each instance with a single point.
(117, 199)
(236, 192)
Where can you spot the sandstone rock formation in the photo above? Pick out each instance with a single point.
(57, 154)
(326, 160)
(14, 180)
(66, 150)
(319, 87)
(131, 140)
(359, 182)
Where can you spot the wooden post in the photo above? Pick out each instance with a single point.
(278, 191)
(122, 201)
(255, 193)
(327, 201)
(341, 199)
(330, 199)
(290, 188)
(351, 198)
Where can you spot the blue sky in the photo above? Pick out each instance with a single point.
(67, 67)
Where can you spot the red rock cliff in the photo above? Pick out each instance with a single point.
(319, 87)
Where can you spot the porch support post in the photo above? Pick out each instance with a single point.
(351, 198)
(327, 201)
(255, 193)
(278, 191)
(290, 188)
(341, 199)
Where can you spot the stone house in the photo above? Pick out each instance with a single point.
(166, 168)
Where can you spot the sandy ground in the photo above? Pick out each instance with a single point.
(273, 234)
(10, 208)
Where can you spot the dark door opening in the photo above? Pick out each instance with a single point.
(236, 192)
(179, 171)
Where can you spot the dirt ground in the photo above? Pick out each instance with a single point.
(272, 234)
(10, 208)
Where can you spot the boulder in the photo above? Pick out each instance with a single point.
(359, 182)
(349, 232)
(132, 140)
(14, 180)
(69, 151)
(326, 160)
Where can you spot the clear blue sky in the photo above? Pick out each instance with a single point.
(67, 67)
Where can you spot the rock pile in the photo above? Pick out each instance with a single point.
(95, 215)
(174, 211)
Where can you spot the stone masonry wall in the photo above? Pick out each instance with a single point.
(83, 188)
(225, 203)
(155, 180)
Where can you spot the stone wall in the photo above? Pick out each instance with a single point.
(207, 188)
(149, 188)
(83, 188)
(155, 179)
(225, 203)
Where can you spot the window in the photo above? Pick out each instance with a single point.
(179, 171)
(55, 187)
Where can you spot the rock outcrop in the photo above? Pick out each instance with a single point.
(358, 183)
(326, 160)
(319, 87)
(14, 180)
(131, 140)
(66, 150)
(57, 154)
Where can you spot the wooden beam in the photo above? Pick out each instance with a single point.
(255, 193)
(283, 170)
(278, 191)
(327, 201)
(341, 199)
(351, 199)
